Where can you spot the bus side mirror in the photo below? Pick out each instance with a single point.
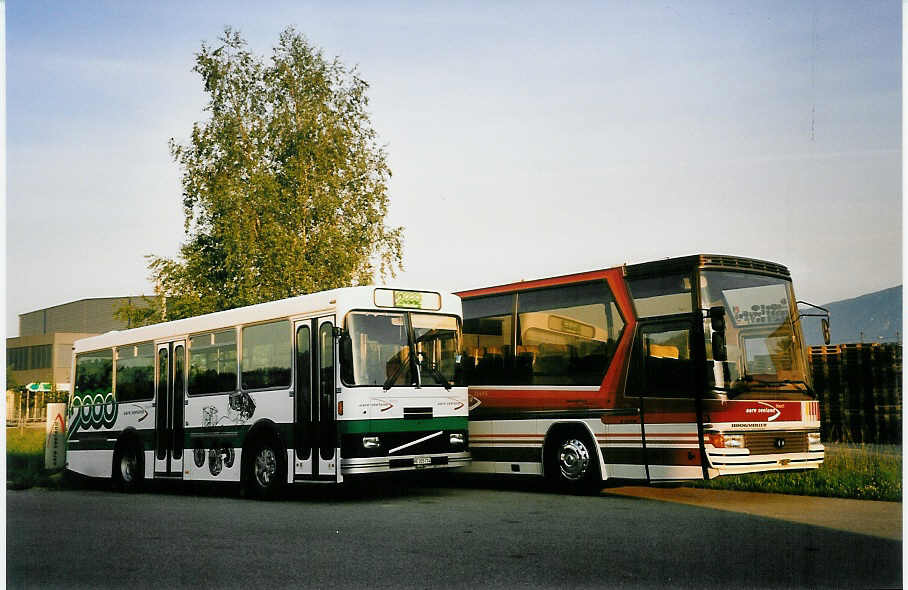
(717, 317)
(824, 322)
(345, 351)
(717, 321)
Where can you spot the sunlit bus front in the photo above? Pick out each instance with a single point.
(759, 412)
(402, 409)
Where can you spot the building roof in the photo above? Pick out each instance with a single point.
(91, 315)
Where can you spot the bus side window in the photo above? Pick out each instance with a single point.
(564, 334)
(488, 333)
(663, 365)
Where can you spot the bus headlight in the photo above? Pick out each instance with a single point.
(813, 439)
(727, 441)
(733, 441)
(456, 439)
(371, 442)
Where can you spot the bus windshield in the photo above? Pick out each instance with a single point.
(384, 350)
(762, 348)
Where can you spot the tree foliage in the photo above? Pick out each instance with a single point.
(12, 384)
(285, 187)
(147, 312)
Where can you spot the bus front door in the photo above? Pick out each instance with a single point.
(170, 395)
(316, 448)
(665, 361)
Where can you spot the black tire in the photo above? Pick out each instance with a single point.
(128, 467)
(572, 464)
(264, 469)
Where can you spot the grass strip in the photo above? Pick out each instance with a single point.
(855, 471)
(25, 460)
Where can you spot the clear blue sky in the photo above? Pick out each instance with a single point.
(525, 139)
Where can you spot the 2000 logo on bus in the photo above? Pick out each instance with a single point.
(92, 410)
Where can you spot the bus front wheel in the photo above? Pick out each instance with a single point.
(128, 467)
(572, 464)
(264, 473)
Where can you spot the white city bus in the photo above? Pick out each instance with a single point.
(312, 388)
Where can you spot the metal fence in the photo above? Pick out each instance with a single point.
(27, 407)
(860, 391)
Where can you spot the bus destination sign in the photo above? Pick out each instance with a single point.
(408, 299)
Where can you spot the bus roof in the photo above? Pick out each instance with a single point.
(652, 268)
(324, 301)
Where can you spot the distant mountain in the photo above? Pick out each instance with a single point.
(878, 315)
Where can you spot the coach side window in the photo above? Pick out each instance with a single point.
(266, 355)
(135, 372)
(94, 373)
(566, 335)
(488, 351)
(212, 363)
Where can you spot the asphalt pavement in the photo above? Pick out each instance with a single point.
(400, 535)
(865, 517)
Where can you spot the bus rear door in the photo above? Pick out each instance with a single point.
(170, 395)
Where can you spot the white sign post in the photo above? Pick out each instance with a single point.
(55, 440)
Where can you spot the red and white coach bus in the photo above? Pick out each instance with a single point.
(685, 368)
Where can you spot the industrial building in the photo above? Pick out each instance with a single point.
(42, 353)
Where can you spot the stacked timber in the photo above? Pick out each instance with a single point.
(860, 391)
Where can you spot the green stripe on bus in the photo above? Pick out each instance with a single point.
(234, 435)
(401, 425)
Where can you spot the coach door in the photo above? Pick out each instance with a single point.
(170, 382)
(665, 378)
(315, 427)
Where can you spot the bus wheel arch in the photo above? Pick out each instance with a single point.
(128, 465)
(571, 459)
(263, 462)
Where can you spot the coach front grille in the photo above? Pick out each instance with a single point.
(767, 442)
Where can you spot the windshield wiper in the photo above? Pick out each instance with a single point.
(778, 383)
(437, 374)
(423, 363)
(791, 382)
(389, 382)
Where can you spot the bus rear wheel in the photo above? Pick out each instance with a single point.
(128, 467)
(264, 470)
(572, 464)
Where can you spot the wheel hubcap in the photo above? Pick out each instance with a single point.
(573, 459)
(265, 467)
(128, 468)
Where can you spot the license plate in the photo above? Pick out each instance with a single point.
(422, 460)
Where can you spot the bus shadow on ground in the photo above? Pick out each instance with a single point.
(363, 488)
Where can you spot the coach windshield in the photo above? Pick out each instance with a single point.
(755, 345)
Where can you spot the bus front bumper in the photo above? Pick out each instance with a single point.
(358, 465)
